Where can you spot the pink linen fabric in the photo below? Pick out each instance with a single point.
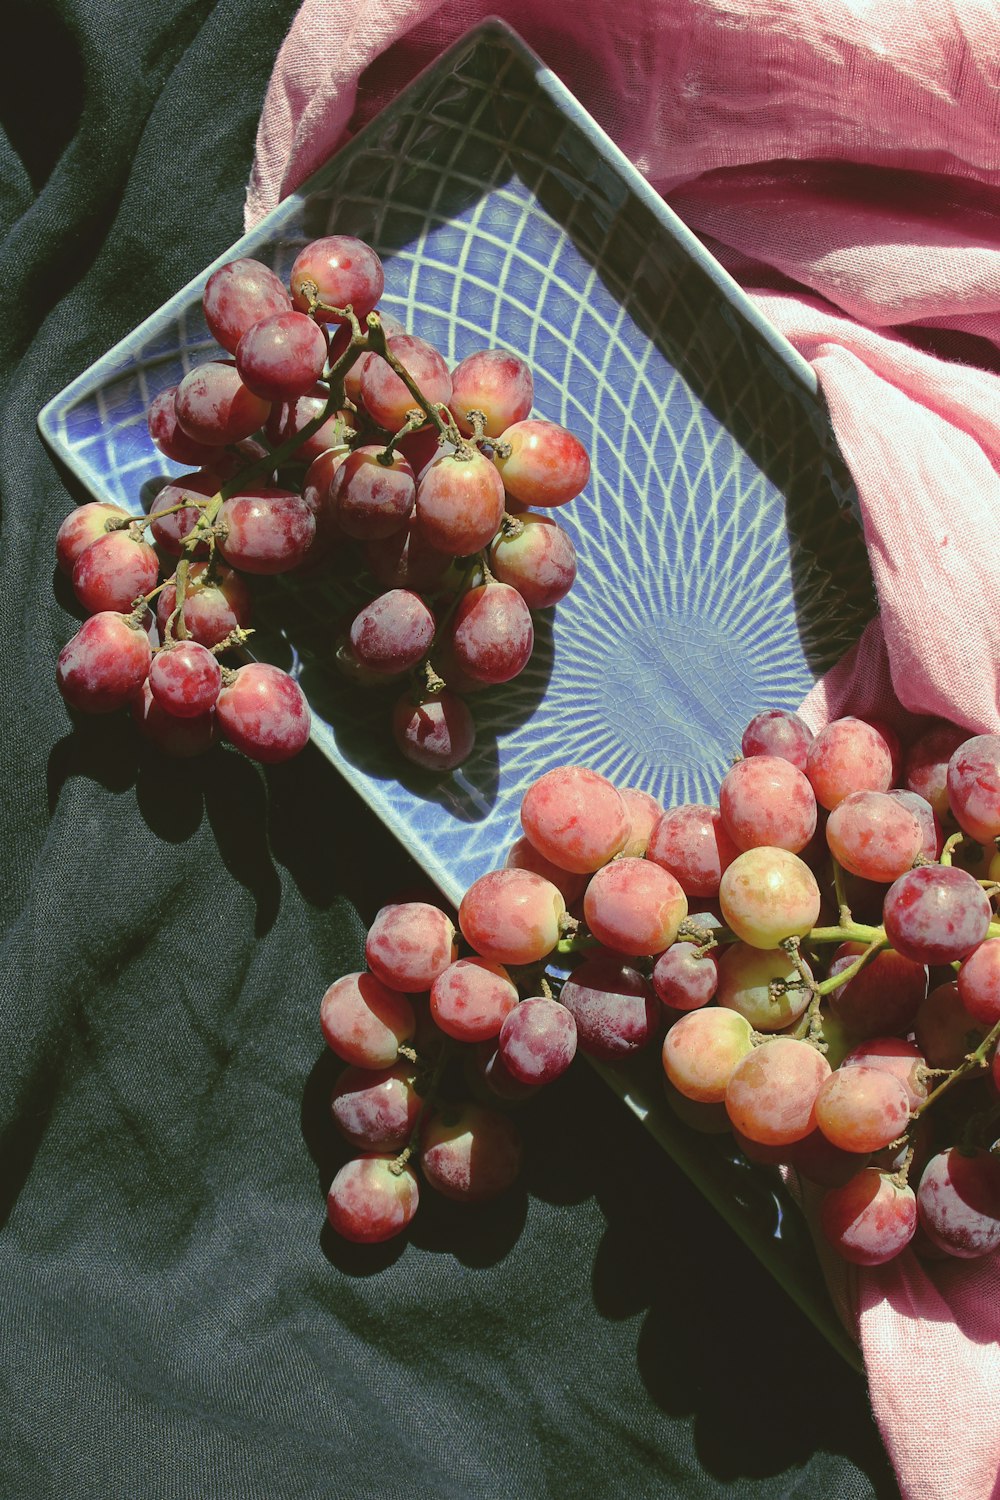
(842, 159)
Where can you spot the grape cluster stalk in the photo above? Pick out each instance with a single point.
(817, 958)
(324, 426)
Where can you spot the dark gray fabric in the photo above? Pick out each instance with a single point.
(176, 1320)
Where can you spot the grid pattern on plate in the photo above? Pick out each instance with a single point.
(720, 570)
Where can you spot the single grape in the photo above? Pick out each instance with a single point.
(873, 835)
(386, 396)
(644, 812)
(537, 1041)
(633, 906)
(103, 664)
(768, 895)
(459, 504)
(615, 1010)
(771, 1096)
(936, 914)
(185, 679)
(470, 1153)
(265, 530)
(371, 499)
(575, 817)
(546, 465)
(691, 842)
(869, 1220)
(974, 787)
(895, 1055)
(436, 732)
(926, 764)
(214, 407)
(494, 382)
(882, 997)
(171, 439)
(365, 1021)
(212, 611)
(931, 836)
(238, 295)
(702, 1050)
(376, 1110)
(264, 713)
(181, 739)
(288, 418)
(409, 944)
(81, 527)
(491, 633)
(849, 755)
(684, 977)
(472, 998)
(765, 800)
(745, 978)
(777, 731)
(862, 1109)
(171, 531)
(523, 855)
(345, 272)
(979, 983)
(958, 1201)
(392, 633)
(512, 916)
(282, 357)
(370, 1200)
(944, 1030)
(113, 572)
(539, 561)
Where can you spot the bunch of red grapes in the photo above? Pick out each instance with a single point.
(328, 426)
(817, 956)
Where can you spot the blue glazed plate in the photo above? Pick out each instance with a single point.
(721, 568)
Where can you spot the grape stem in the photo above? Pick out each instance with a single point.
(970, 1064)
(843, 909)
(428, 1098)
(448, 430)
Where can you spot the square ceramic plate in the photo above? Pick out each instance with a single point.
(721, 570)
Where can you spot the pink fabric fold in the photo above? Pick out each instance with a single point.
(841, 157)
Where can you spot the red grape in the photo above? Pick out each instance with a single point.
(644, 812)
(437, 732)
(214, 407)
(633, 906)
(684, 977)
(959, 1202)
(540, 562)
(575, 817)
(264, 713)
(81, 527)
(185, 679)
(494, 382)
(409, 944)
(237, 295)
(171, 531)
(370, 1201)
(472, 998)
(459, 503)
(406, 560)
(537, 1041)
(471, 1154)
(346, 273)
(979, 983)
(873, 835)
(364, 1021)
(385, 395)
(113, 572)
(765, 800)
(702, 1050)
(546, 466)
(281, 357)
(882, 997)
(944, 1030)
(492, 634)
(376, 1110)
(936, 914)
(745, 976)
(895, 1055)
(287, 419)
(523, 855)
(974, 787)
(171, 439)
(862, 1109)
(926, 765)
(212, 611)
(512, 916)
(392, 633)
(181, 739)
(768, 895)
(692, 843)
(777, 731)
(870, 1219)
(849, 755)
(103, 664)
(771, 1096)
(615, 1010)
(372, 499)
(266, 530)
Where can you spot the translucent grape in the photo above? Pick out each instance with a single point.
(540, 562)
(862, 1108)
(546, 466)
(765, 800)
(691, 842)
(344, 271)
(873, 835)
(771, 1096)
(370, 1201)
(702, 1050)
(512, 916)
(633, 906)
(644, 812)
(849, 755)
(409, 944)
(472, 998)
(745, 976)
(768, 895)
(459, 504)
(869, 1220)
(386, 396)
(494, 382)
(364, 1021)
(575, 817)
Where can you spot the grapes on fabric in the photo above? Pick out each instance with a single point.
(322, 433)
(861, 1055)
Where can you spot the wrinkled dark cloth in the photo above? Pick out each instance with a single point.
(176, 1320)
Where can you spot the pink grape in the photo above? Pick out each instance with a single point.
(459, 504)
(185, 679)
(926, 764)
(471, 1154)
(684, 977)
(365, 1021)
(974, 787)
(288, 418)
(472, 998)
(266, 530)
(409, 944)
(768, 895)
(944, 1030)
(873, 835)
(81, 527)
(540, 562)
(512, 916)
(615, 1010)
(896, 1056)
(369, 1201)
(385, 395)
(523, 855)
(238, 295)
(882, 997)
(282, 357)
(437, 733)
(376, 1110)
(537, 1041)
(214, 407)
(345, 271)
(171, 439)
(633, 906)
(113, 572)
(765, 801)
(494, 382)
(371, 499)
(869, 1220)
(492, 634)
(862, 1109)
(103, 664)
(644, 812)
(936, 914)
(777, 731)
(181, 739)
(575, 817)
(547, 466)
(849, 755)
(958, 1201)
(771, 1096)
(979, 983)
(745, 976)
(931, 837)
(691, 842)
(171, 531)
(392, 633)
(212, 611)
(264, 713)
(406, 560)
(702, 1050)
